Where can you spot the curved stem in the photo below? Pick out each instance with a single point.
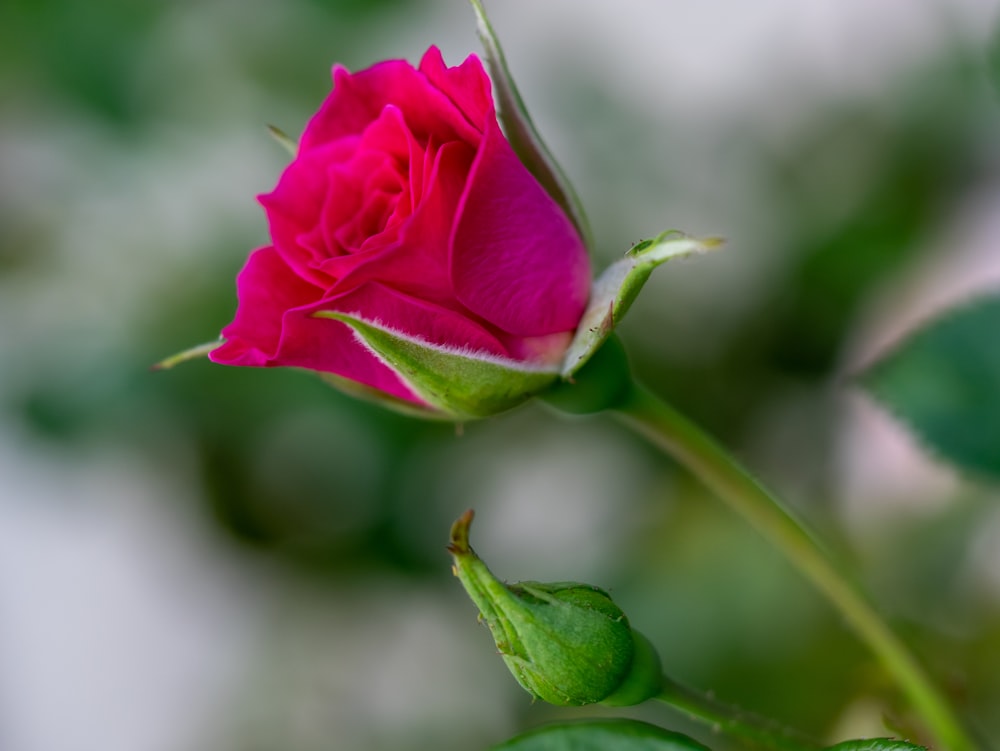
(753, 730)
(720, 472)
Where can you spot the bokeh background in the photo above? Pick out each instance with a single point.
(214, 558)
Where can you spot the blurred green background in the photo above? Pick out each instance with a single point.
(239, 559)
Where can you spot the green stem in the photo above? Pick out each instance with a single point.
(708, 461)
(754, 731)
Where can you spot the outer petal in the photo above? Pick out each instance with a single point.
(467, 85)
(358, 98)
(266, 288)
(274, 327)
(516, 258)
(330, 347)
(417, 317)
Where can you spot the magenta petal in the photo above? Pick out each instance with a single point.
(516, 258)
(414, 263)
(331, 347)
(266, 288)
(548, 350)
(357, 99)
(295, 208)
(416, 317)
(467, 85)
(274, 327)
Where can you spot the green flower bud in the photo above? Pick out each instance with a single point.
(565, 643)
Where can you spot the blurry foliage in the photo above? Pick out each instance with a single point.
(315, 481)
(94, 54)
(83, 51)
(907, 175)
(993, 57)
(784, 633)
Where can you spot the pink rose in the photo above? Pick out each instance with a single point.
(406, 207)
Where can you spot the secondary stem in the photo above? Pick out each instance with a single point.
(708, 461)
(753, 730)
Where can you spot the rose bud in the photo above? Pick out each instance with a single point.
(413, 256)
(420, 258)
(565, 643)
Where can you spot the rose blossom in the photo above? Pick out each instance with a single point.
(406, 207)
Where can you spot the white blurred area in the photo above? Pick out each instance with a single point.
(884, 472)
(121, 627)
(124, 626)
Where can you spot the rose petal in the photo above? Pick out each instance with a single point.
(266, 288)
(357, 99)
(274, 327)
(414, 316)
(467, 85)
(415, 263)
(296, 207)
(549, 349)
(317, 209)
(331, 347)
(516, 258)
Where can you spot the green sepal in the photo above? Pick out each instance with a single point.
(284, 140)
(191, 353)
(604, 382)
(601, 735)
(521, 131)
(615, 290)
(456, 385)
(566, 643)
(644, 679)
(943, 382)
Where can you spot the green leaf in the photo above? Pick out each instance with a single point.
(459, 385)
(601, 735)
(876, 744)
(521, 131)
(615, 290)
(944, 383)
